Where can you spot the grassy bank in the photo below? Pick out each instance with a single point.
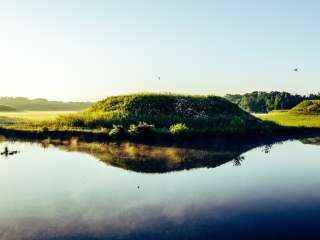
(292, 119)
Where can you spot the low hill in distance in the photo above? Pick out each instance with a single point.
(234, 98)
(263, 102)
(39, 104)
(4, 108)
(203, 113)
(307, 107)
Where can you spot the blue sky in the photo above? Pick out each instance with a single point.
(86, 50)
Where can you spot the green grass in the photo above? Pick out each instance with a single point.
(307, 107)
(290, 118)
(30, 116)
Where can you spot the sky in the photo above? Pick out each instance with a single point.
(87, 50)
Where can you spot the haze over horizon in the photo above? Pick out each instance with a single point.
(86, 51)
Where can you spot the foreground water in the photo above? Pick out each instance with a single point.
(266, 193)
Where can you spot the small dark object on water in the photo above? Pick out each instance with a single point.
(296, 69)
(6, 152)
(138, 187)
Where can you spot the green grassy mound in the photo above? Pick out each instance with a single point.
(163, 110)
(307, 107)
(4, 108)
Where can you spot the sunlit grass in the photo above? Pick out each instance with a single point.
(286, 118)
(141, 115)
(26, 116)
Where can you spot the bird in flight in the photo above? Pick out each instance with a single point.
(296, 69)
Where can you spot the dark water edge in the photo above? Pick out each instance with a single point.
(262, 135)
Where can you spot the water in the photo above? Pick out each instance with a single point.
(55, 192)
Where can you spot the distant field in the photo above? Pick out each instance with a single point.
(15, 117)
(286, 118)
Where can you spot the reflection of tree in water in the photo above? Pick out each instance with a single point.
(6, 152)
(238, 160)
(267, 148)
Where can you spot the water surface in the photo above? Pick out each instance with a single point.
(81, 192)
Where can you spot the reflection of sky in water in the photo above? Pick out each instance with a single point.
(47, 192)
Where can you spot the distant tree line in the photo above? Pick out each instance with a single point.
(40, 104)
(263, 102)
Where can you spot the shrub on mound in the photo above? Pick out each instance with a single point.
(141, 129)
(179, 129)
(117, 131)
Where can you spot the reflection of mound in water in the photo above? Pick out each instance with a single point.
(156, 159)
(7, 152)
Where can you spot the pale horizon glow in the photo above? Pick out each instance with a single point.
(87, 50)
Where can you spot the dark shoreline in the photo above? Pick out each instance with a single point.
(256, 136)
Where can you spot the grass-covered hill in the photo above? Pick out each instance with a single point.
(39, 104)
(163, 110)
(307, 107)
(4, 108)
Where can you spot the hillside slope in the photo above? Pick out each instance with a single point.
(4, 108)
(39, 104)
(307, 107)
